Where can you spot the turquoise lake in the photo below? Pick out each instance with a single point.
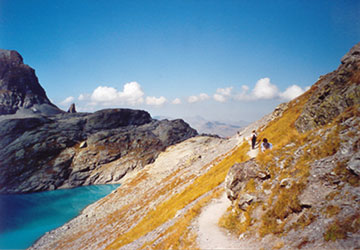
(24, 218)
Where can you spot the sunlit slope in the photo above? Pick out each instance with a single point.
(155, 206)
(311, 195)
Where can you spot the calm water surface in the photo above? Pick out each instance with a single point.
(26, 217)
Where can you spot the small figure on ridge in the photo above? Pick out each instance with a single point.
(253, 139)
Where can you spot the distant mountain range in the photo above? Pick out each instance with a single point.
(203, 126)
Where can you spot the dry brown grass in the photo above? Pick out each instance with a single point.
(291, 157)
(167, 209)
(339, 228)
(180, 235)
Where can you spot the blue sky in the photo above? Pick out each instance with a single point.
(225, 60)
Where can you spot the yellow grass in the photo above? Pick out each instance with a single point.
(180, 235)
(168, 209)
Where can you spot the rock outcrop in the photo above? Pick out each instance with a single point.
(44, 148)
(20, 88)
(333, 93)
(72, 108)
(45, 153)
(240, 174)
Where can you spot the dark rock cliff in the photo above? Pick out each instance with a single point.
(19, 86)
(69, 150)
(46, 148)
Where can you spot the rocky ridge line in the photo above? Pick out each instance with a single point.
(20, 88)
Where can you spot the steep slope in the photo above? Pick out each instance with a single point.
(302, 194)
(154, 206)
(305, 192)
(20, 88)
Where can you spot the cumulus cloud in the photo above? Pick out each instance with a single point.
(224, 91)
(131, 94)
(264, 89)
(222, 94)
(67, 101)
(245, 88)
(176, 101)
(81, 97)
(104, 94)
(291, 92)
(219, 98)
(154, 101)
(198, 98)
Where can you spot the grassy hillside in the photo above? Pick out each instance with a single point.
(311, 198)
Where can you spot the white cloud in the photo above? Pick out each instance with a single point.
(219, 98)
(67, 101)
(243, 95)
(132, 94)
(193, 99)
(224, 91)
(176, 101)
(291, 92)
(104, 94)
(264, 89)
(81, 97)
(152, 100)
(203, 97)
(222, 94)
(245, 88)
(198, 98)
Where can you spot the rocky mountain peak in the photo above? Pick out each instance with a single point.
(353, 56)
(11, 56)
(19, 86)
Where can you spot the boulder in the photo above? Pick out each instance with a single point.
(237, 177)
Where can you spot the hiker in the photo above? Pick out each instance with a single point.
(253, 139)
(265, 145)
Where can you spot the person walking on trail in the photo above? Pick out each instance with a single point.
(253, 139)
(265, 145)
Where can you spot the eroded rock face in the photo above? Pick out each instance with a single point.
(19, 86)
(333, 93)
(239, 175)
(45, 153)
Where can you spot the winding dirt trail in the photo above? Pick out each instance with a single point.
(210, 235)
